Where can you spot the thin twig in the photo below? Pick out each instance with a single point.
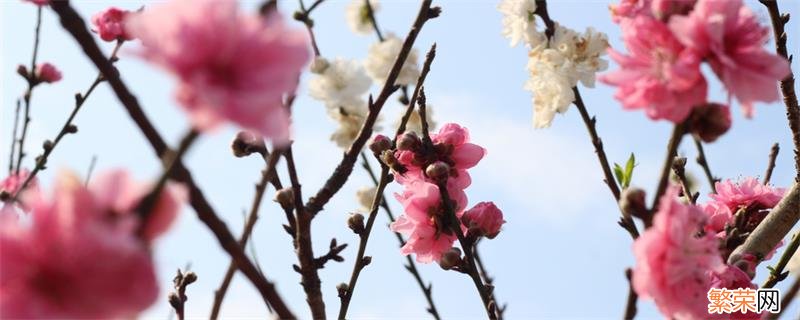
(703, 162)
(32, 82)
(75, 25)
(489, 281)
(345, 166)
(630, 306)
(268, 174)
(773, 155)
(304, 16)
(14, 139)
(679, 168)
(787, 84)
(90, 170)
(67, 128)
(177, 299)
(672, 151)
(411, 266)
(371, 14)
(776, 274)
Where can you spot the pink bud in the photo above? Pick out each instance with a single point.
(46, 72)
(38, 2)
(110, 24)
(438, 171)
(485, 217)
(380, 143)
(710, 121)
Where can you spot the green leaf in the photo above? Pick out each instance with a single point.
(629, 170)
(618, 173)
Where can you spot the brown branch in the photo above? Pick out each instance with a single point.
(267, 175)
(32, 83)
(787, 84)
(411, 266)
(305, 251)
(345, 167)
(776, 274)
(14, 139)
(772, 229)
(489, 282)
(630, 306)
(304, 16)
(67, 128)
(75, 25)
(773, 155)
(703, 162)
(672, 151)
(371, 14)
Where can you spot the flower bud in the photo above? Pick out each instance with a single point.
(72, 129)
(47, 145)
(484, 218)
(380, 143)
(450, 258)
(388, 158)
(246, 143)
(710, 121)
(319, 65)
(285, 197)
(356, 222)
(438, 171)
(342, 289)
(632, 202)
(46, 72)
(408, 141)
(189, 277)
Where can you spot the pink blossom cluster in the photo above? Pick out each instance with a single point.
(424, 167)
(83, 252)
(667, 42)
(231, 66)
(681, 257)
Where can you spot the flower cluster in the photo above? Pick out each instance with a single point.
(683, 255)
(381, 57)
(422, 167)
(555, 65)
(230, 65)
(50, 263)
(667, 42)
(341, 85)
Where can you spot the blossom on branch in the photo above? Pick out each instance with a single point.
(381, 58)
(46, 72)
(428, 236)
(484, 219)
(747, 194)
(358, 18)
(231, 66)
(340, 82)
(519, 22)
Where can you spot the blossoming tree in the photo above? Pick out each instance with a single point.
(85, 248)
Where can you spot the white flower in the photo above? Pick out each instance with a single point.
(519, 23)
(549, 83)
(342, 81)
(590, 47)
(358, 16)
(414, 123)
(350, 115)
(381, 58)
(365, 195)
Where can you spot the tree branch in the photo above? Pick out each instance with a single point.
(773, 228)
(703, 162)
(773, 155)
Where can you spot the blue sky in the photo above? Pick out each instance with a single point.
(561, 254)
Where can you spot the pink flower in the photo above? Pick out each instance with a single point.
(484, 217)
(673, 260)
(110, 24)
(12, 183)
(230, 65)
(47, 72)
(75, 259)
(749, 194)
(452, 147)
(117, 191)
(659, 9)
(658, 75)
(427, 237)
(38, 2)
(729, 36)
